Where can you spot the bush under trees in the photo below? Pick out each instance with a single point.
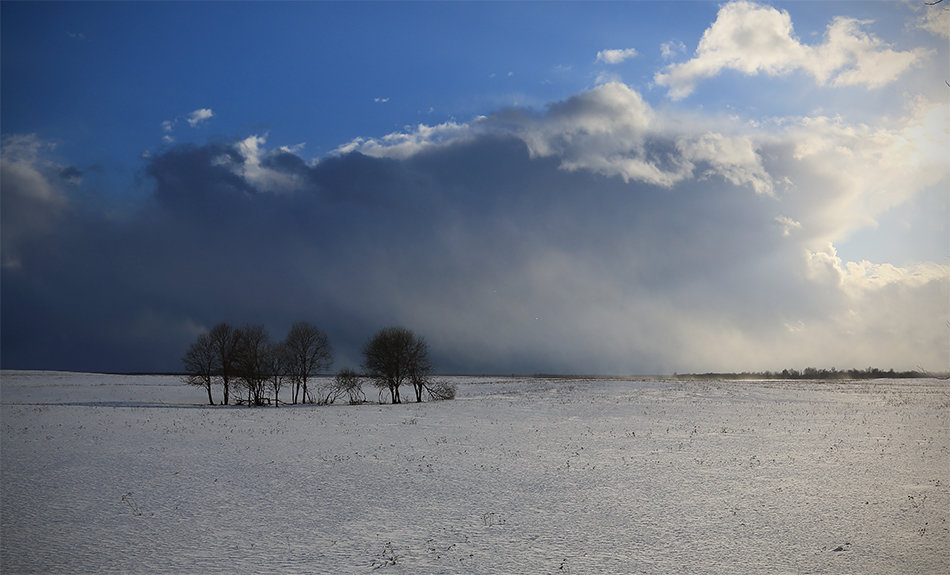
(350, 383)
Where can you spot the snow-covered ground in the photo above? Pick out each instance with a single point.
(121, 474)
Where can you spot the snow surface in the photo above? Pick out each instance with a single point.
(127, 474)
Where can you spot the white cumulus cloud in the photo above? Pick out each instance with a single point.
(199, 116)
(756, 39)
(608, 130)
(255, 168)
(733, 157)
(670, 49)
(411, 141)
(845, 175)
(616, 56)
(936, 20)
(194, 119)
(858, 278)
(788, 224)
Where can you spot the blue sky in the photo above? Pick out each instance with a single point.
(665, 187)
(321, 73)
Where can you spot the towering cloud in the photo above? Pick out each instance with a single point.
(600, 235)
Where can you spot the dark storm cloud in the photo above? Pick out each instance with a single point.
(490, 253)
(587, 239)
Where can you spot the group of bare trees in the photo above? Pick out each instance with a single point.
(245, 360)
(249, 366)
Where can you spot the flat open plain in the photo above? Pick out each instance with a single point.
(131, 474)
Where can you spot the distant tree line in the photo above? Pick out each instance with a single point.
(252, 369)
(817, 373)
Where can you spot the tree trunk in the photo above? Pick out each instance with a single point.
(210, 399)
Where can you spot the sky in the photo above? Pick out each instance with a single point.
(557, 187)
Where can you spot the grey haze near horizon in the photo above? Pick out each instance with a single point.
(596, 237)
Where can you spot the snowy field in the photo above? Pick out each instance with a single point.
(121, 474)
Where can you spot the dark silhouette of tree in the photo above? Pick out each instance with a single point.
(308, 353)
(252, 362)
(276, 360)
(394, 356)
(201, 364)
(224, 341)
(419, 366)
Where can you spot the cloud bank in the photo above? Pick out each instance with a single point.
(600, 235)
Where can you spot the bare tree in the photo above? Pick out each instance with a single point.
(201, 364)
(419, 366)
(308, 353)
(394, 356)
(224, 341)
(276, 360)
(252, 359)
